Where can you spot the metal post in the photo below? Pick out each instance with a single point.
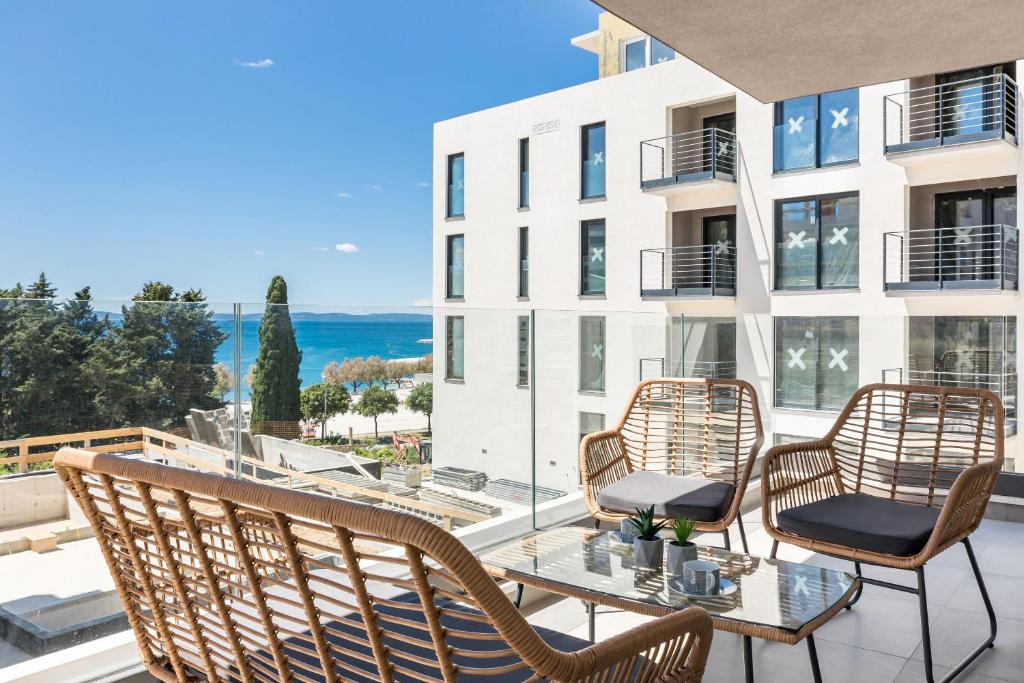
(940, 274)
(1002, 256)
(714, 268)
(533, 417)
(238, 388)
(714, 153)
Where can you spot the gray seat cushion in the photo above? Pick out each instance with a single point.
(863, 522)
(698, 499)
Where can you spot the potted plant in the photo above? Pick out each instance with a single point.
(648, 548)
(682, 549)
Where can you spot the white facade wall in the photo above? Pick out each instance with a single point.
(489, 413)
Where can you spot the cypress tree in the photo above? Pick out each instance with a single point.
(275, 385)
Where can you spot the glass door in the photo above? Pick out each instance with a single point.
(720, 149)
(719, 240)
(963, 251)
(965, 101)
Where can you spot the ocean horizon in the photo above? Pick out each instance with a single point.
(323, 339)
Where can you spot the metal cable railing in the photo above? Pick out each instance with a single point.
(964, 257)
(1002, 384)
(652, 368)
(969, 110)
(701, 269)
(684, 157)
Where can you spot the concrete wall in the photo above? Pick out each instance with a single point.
(30, 499)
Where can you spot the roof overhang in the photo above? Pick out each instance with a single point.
(779, 49)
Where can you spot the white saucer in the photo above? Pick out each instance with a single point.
(675, 585)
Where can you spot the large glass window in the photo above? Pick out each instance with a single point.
(643, 51)
(456, 185)
(817, 242)
(455, 347)
(818, 130)
(816, 362)
(592, 353)
(592, 242)
(593, 162)
(590, 423)
(524, 173)
(660, 52)
(456, 267)
(523, 350)
(524, 262)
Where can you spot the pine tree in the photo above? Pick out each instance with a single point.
(275, 385)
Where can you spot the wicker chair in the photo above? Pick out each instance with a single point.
(231, 580)
(905, 473)
(685, 445)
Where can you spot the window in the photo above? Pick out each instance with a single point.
(816, 362)
(708, 347)
(592, 253)
(456, 258)
(818, 130)
(455, 346)
(817, 242)
(636, 53)
(524, 262)
(590, 423)
(523, 351)
(524, 173)
(593, 161)
(456, 185)
(592, 354)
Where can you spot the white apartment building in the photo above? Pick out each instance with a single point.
(658, 221)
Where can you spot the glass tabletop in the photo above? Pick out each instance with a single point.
(774, 593)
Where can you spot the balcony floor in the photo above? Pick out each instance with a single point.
(879, 639)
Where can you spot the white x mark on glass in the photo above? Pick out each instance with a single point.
(460, 184)
(796, 239)
(723, 246)
(838, 235)
(959, 112)
(723, 148)
(597, 254)
(796, 358)
(598, 351)
(838, 359)
(963, 235)
(796, 125)
(598, 158)
(839, 117)
(800, 585)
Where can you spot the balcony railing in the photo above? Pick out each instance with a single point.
(967, 257)
(1002, 384)
(971, 110)
(651, 368)
(706, 154)
(701, 270)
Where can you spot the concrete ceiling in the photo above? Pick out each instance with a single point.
(778, 49)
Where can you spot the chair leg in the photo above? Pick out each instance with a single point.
(725, 535)
(743, 534)
(597, 523)
(519, 595)
(813, 652)
(926, 634)
(860, 589)
(775, 548)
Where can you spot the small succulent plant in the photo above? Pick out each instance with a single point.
(646, 528)
(683, 527)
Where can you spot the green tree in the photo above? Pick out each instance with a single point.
(421, 400)
(194, 338)
(376, 401)
(275, 385)
(318, 408)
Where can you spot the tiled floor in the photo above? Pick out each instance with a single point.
(880, 638)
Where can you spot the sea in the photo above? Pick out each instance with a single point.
(323, 338)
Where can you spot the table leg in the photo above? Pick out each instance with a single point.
(813, 652)
(519, 595)
(748, 661)
(591, 609)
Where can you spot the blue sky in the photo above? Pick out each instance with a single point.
(214, 144)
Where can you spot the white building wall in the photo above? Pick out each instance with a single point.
(489, 413)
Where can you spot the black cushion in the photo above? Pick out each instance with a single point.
(863, 522)
(357, 664)
(698, 499)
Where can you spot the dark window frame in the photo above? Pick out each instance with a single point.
(777, 120)
(776, 267)
(450, 295)
(585, 155)
(604, 358)
(523, 351)
(449, 348)
(584, 251)
(524, 173)
(523, 265)
(449, 187)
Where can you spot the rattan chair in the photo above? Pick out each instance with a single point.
(685, 445)
(233, 580)
(905, 473)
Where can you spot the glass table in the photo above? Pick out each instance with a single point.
(774, 599)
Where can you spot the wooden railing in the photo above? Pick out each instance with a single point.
(183, 452)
